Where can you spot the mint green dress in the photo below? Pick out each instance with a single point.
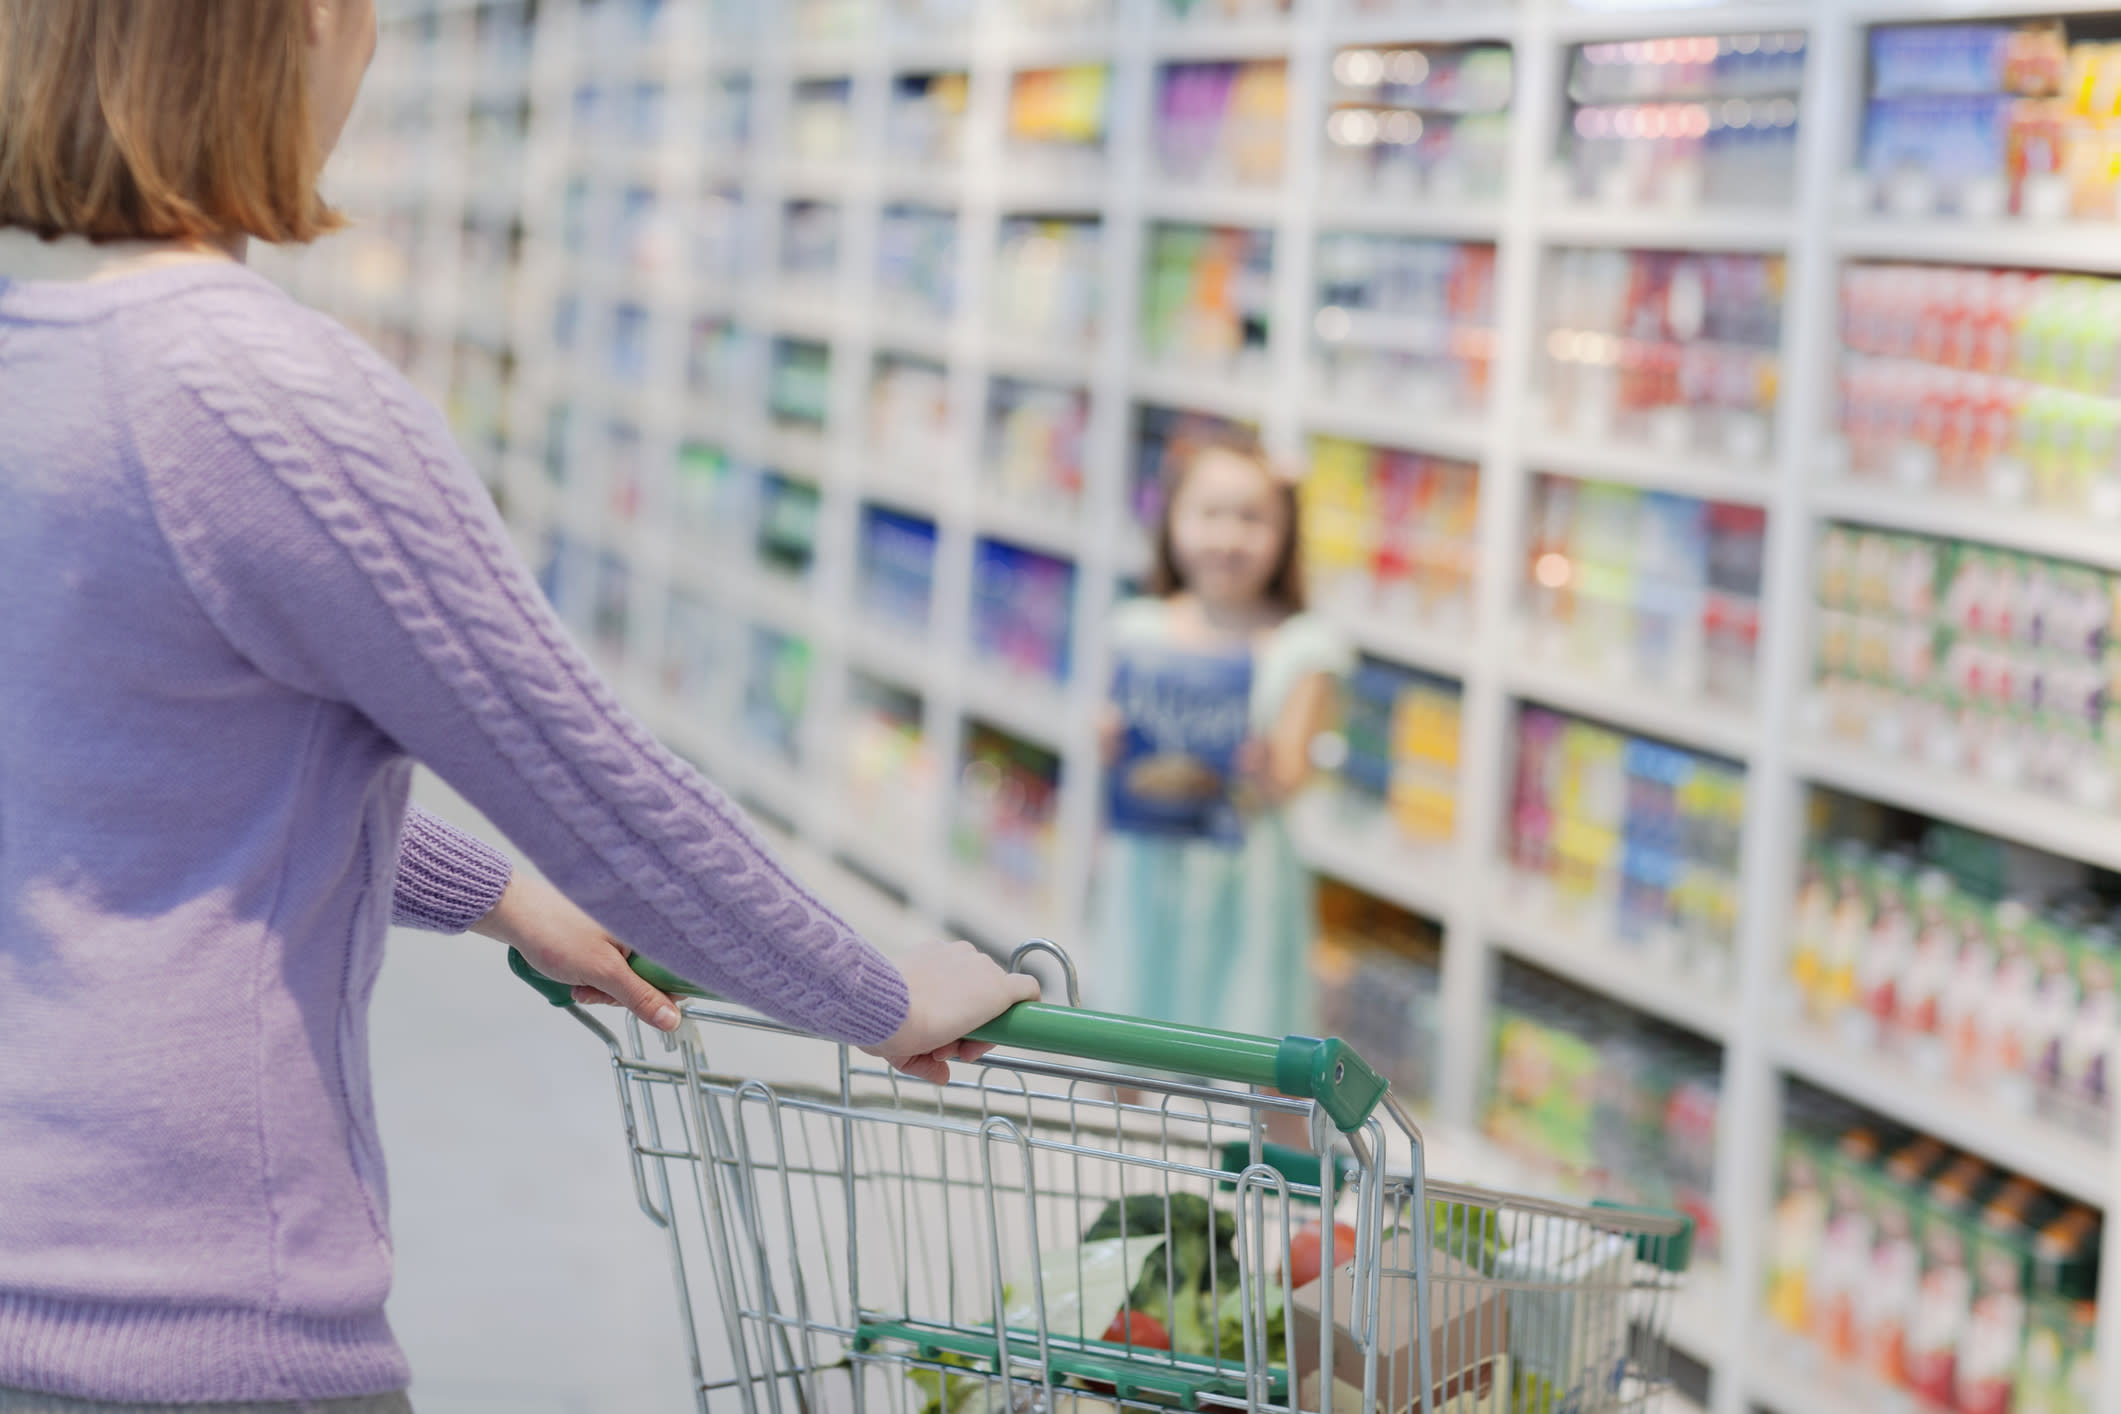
(1205, 934)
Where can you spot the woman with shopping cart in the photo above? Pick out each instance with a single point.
(246, 581)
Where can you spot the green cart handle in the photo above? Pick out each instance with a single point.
(1308, 1067)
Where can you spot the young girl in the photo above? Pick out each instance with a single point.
(1192, 930)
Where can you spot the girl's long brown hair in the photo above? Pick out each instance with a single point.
(1285, 586)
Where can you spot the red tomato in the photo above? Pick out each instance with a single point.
(1305, 1254)
(1138, 1328)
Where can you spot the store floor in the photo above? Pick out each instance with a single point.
(528, 1282)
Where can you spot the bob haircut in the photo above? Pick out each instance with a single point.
(158, 120)
(1285, 584)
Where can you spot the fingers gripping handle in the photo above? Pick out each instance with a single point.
(562, 993)
(1328, 1071)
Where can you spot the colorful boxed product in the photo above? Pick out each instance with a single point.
(1222, 122)
(909, 419)
(1390, 533)
(1610, 1105)
(1046, 279)
(917, 261)
(786, 541)
(926, 125)
(1672, 349)
(1401, 727)
(1647, 585)
(1405, 320)
(1969, 658)
(799, 383)
(889, 770)
(810, 243)
(1023, 606)
(1057, 118)
(1034, 444)
(1428, 121)
(1206, 296)
(1008, 795)
(1930, 1275)
(689, 661)
(820, 123)
(1182, 719)
(1996, 383)
(895, 577)
(1377, 977)
(1986, 966)
(1636, 836)
(1684, 121)
(776, 687)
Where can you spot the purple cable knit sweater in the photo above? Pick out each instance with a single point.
(245, 579)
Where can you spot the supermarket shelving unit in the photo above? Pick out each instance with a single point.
(407, 160)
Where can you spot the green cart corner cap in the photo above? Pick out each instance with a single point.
(1331, 1073)
(1672, 1252)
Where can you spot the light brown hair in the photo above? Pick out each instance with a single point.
(1285, 586)
(158, 119)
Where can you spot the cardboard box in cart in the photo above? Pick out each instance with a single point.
(1469, 1333)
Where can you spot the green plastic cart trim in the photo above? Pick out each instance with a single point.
(1671, 1253)
(1326, 1070)
(1184, 1378)
(1298, 1166)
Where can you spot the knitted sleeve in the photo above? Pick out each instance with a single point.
(447, 879)
(324, 519)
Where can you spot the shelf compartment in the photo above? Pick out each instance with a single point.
(1651, 469)
(1411, 645)
(1030, 707)
(1720, 731)
(2093, 248)
(2078, 1167)
(1372, 855)
(2078, 538)
(2089, 836)
(1444, 435)
(1590, 957)
(1701, 229)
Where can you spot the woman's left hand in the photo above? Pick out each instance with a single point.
(557, 938)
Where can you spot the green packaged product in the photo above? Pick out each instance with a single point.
(1950, 1226)
(1894, 1196)
(1848, 1247)
(1986, 1369)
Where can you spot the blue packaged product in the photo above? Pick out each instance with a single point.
(1938, 59)
(1184, 717)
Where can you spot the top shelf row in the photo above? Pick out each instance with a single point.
(1990, 124)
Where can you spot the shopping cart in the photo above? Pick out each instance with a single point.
(847, 1238)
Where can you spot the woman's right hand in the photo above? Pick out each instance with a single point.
(951, 988)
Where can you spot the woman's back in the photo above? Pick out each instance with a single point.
(243, 575)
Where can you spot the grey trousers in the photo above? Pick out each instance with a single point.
(22, 1401)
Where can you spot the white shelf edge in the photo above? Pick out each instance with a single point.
(1708, 229)
(1193, 390)
(1649, 469)
(1373, 855)
(1019, 704)
(2090, 836)
(1049, 533)
(1214, 204)
(2067, 1163)
(2057, 533)
(1179, 41)
(1678, 720)
(1412, 645)
(1443, 435)
(1590, 957)
(2092, 247)
(1786, 1376)
(1468, 221)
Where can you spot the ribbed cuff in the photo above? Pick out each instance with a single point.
(153, 1353)
(874, 1005)
(447, 880)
